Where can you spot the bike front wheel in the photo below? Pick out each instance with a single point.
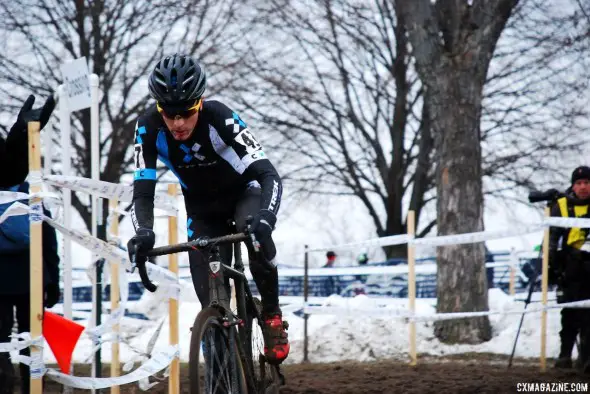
(221, 371)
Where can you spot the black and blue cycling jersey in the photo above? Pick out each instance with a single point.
(220, 160)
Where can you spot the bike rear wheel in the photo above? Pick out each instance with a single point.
(222, 371)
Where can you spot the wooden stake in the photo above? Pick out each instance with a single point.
(544, 285)
(513, 262)
(36, 251)
(412, 286)
(174, 383)
(115, 295)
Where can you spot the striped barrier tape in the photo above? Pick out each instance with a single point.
(567, 222)
(384, 241)
(109, 190)
(6, 196)
(35, 362)
(474, 237)
(420, 269)
(23, 341)
(159, 360)
(404, 314)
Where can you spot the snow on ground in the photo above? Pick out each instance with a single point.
(341, 337)
(372, 337)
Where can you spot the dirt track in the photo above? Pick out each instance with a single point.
(463, 374)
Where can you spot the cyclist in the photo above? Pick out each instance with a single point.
(224, 174)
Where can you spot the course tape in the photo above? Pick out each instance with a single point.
(420, 269)
(15, 209)
(23, 341)
(567, 222)
(159, 360)
(95, 245)
(96, 332)
(109, 190)
(404, 314)
(6, 197)
(112, 253)
(385, 241)
(474, 237)
(35, 362)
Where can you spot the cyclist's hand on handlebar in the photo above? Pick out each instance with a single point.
(263, 224)
(143, 241)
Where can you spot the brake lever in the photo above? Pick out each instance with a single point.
(255, 242)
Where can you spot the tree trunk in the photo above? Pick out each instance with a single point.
(461, 279)
(453, 43)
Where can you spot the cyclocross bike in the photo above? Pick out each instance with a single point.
(231, 342)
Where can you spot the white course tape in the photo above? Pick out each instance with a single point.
(420, 269)
(152, 342)
(109, 190)
(114, 318)
(160, 274)
(159, 361)
(567, 222)
(35, 363)
(385, 241)
(172, 290)
(475, 237)
(15, 209)
(95, 245)
(35, 178)
(24, 341)
(6, 197)
(145, 385)
(404, 314)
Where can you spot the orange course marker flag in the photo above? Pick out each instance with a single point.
(62, 335)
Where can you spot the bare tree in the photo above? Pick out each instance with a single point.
(535, 101)
(453, 43)
(346, 105)
(343, 94)
(121, 40)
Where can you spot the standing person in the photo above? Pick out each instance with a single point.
(489, 270)
(569, 266)
(363, 259)
(14, 150)
(224, 174)
(329, 283)
(330, 259)
(15, 285)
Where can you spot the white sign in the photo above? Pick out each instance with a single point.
(77, 84)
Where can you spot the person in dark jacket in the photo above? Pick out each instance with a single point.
(14, 150)
(14, 294)
(569, 268)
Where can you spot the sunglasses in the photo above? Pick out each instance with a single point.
(174, 112)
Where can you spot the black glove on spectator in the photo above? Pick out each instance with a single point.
(28, 114)
(52, 294)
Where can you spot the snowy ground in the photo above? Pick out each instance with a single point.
(335, 338)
